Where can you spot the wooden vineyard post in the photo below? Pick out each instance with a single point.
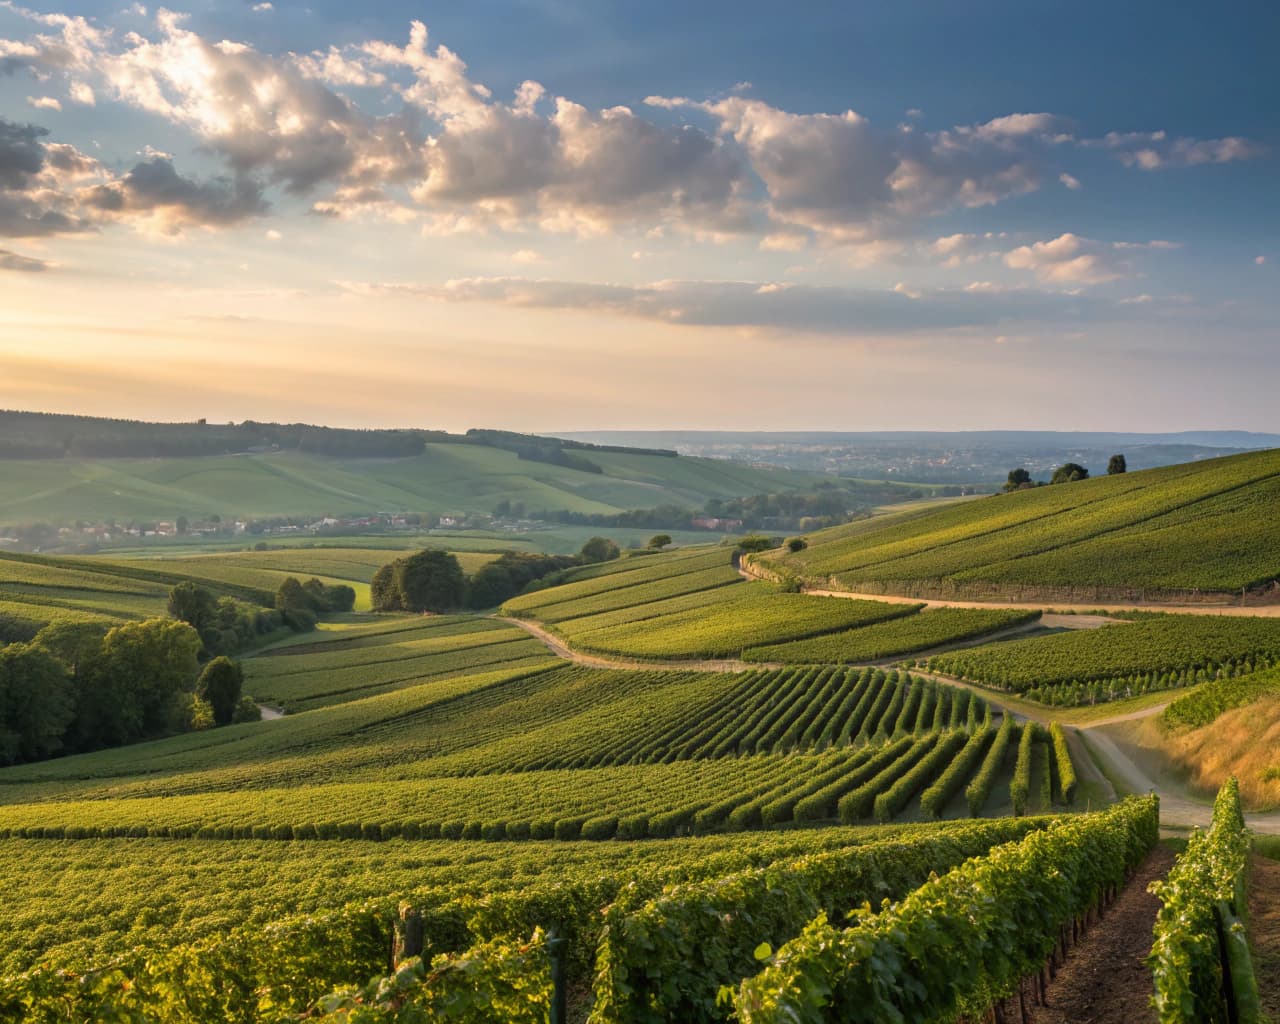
(556, 950)
(408, 935)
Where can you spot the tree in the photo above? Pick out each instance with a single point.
(490, 586)
(384, 592)
(1117, 465)
(600, 549)
(1068, 473)
(796, 544)
(192, 604)
(220, 684)
(183, 524)
(659, 541)
(1018, 479)
(755, 542)
(129, 689)
(430, 581)
(37, 703)
(291, 596)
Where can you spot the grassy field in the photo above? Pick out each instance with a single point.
(36, 589)
(1201, 526)
(447, 478)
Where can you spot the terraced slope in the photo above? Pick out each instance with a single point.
(1183, 532)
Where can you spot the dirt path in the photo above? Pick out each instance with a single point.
(1264, 931)
(1105, 979)
(562, 650)
(269, 713)
(1265, 610)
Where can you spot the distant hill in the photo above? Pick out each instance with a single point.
(959, 457)
(443, 479)
(1182, 531)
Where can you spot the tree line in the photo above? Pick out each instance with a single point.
(433, 581)
(1070, 472)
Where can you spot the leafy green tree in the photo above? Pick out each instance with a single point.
(1117, 465)
(490, 586)
(430, 581)
(659, 541)
(37, 703)
(291, 596)
(1018, 479)
(796, 544)
(193, 604)
(220, 684)
(247, 710)
(1069, 473)
(599, 549)
(384, 590)
(755, 542)
(128, 691)
(183, 524)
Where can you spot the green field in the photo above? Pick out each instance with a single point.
(1154, 652)
(1205, 526)
(668, 821)
(447, 478)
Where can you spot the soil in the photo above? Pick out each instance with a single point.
(1105, 979)
(1264, 931)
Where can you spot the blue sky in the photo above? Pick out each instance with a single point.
(941, 215)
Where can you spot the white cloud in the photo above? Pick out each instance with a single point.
(1069, 180)
(1150, 151)
(272, 235)
(527, 256)
(1259, 260)
(1069, 258)
(263, 7)
(82, 93)
(44, 103)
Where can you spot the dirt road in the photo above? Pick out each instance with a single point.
(1265, 611)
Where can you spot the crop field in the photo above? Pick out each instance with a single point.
(933, 628)
(657, 577)
(1199, 526)
(1153, 652)
(749, 615)
(446, 478)
(686, 831)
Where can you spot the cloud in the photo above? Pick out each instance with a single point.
(1069, 258)
(44, 102)
(1259, 260)
(843, 177)
(263, 115)
(527, 256)
(779, 308)
(154, 190)
(459, 159)
(1150, 151)
(25, 264)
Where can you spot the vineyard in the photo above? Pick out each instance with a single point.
(1153, 652)
(780, 817)
(1197, 527)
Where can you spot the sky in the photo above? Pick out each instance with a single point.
(586, 214)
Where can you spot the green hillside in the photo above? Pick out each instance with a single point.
(444, 479)
(1204, 526)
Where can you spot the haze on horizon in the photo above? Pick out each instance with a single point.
(567, 215)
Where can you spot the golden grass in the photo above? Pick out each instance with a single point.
(1244, 743)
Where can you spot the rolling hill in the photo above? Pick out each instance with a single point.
(444, 479)
(1181, 533)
